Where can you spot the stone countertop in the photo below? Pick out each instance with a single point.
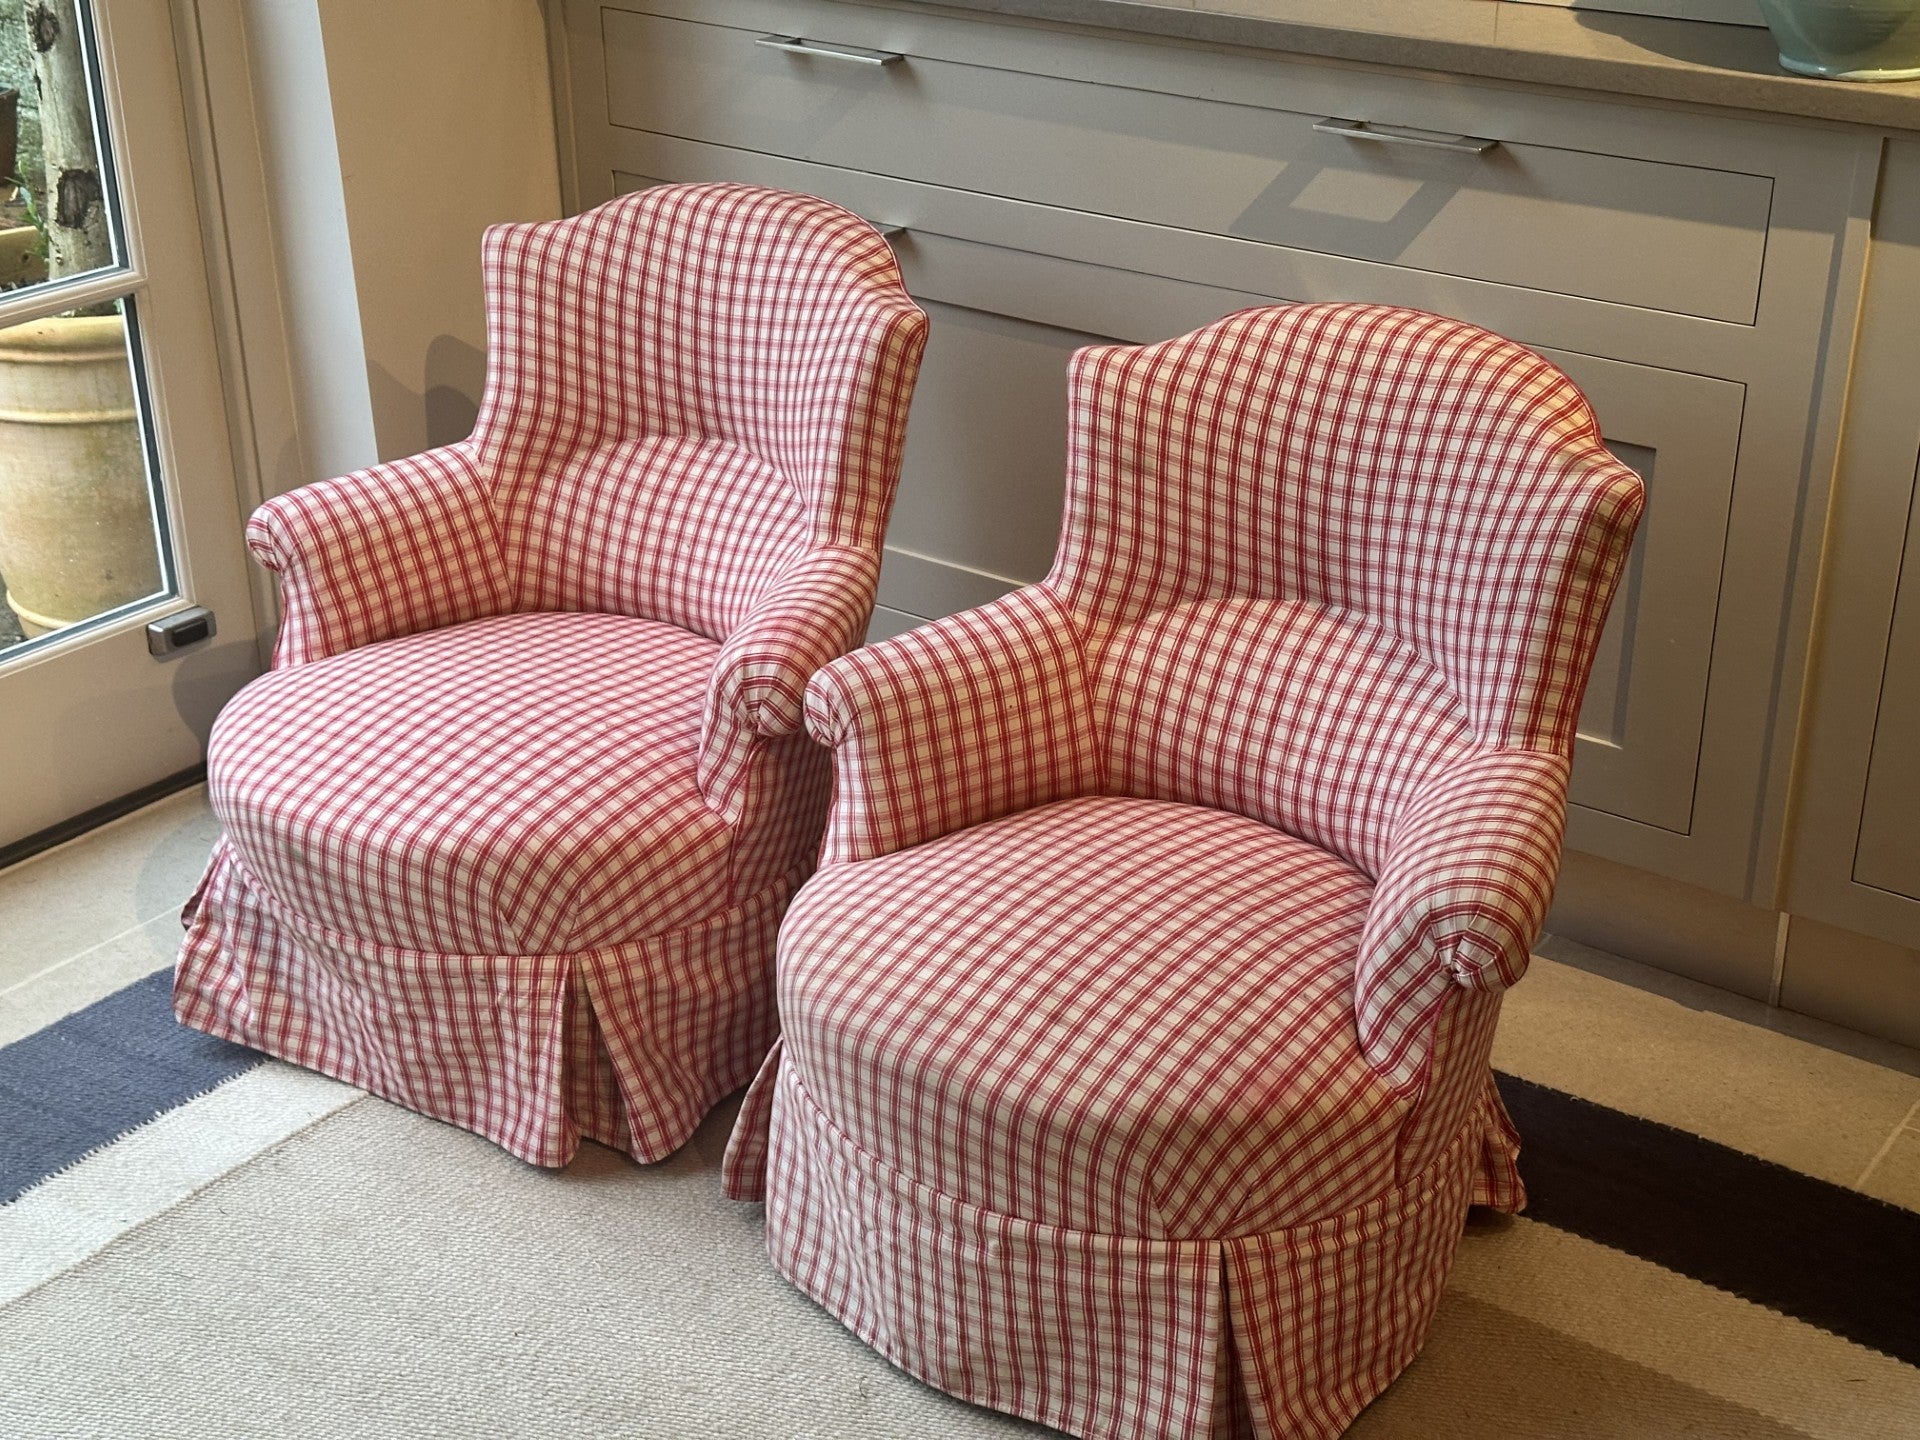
(1729, 66)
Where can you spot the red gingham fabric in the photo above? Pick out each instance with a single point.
(1214, 982)
(543, 801)
(629, 1044)
(1134, 1072)
(510, 824)
(389, 551)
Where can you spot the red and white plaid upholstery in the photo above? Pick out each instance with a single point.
(1134, 1071)
(510, 824)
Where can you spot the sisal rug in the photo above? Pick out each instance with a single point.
(381, 1275)
(283, 1257)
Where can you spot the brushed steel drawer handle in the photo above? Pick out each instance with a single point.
(1401, 135)
(888, 232)
(854, 54)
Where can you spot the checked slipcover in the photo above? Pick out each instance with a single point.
(510, 823)
(1134, 1074)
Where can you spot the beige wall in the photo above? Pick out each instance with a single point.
(291, 323)
(443, 115)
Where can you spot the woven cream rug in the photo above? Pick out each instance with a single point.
(376, 1274)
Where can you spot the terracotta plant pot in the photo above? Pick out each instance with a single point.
(76, 522)
(1847, 39)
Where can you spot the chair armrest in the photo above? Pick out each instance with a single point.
(963, 720)
(391, 550)
(1461, 897)
(814, 610)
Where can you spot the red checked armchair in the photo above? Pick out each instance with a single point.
(511, 821)
(1135, 1066)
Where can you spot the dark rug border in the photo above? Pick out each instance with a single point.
(96, 1075)
(1817, 1251)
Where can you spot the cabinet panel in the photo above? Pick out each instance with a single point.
(1889, 853)
(1661, 235)
(888, 622)
(1855, 857)
(1641, 727)
(982, 484)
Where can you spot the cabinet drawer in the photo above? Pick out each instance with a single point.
(1555, 203)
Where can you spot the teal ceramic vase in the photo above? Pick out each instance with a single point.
(1847, 39)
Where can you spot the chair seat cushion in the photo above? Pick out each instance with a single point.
(517, 785)
(1116, 1015)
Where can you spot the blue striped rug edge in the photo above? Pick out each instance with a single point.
(75, 1087)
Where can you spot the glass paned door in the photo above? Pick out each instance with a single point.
(118, 505)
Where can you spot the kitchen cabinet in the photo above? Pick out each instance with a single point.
(1698, 270)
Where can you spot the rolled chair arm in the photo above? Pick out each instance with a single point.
(814, 610)
(1460, 900)
(391, 550)
(955, 723)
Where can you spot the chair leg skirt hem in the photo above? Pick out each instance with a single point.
(629, 1045)
(1287, 1334)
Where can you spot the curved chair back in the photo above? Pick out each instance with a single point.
(687, 388)
(1326, 548)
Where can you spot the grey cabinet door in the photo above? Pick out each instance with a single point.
(1889, 854)
(1855, 856)
(1641, 729)
(980, 503)
(981, 487)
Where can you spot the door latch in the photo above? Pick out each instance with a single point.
(177, 631)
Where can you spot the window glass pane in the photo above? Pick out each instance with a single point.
(79, 515)
(57, 217)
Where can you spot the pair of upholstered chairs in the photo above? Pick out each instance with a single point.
(1125, 1065)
